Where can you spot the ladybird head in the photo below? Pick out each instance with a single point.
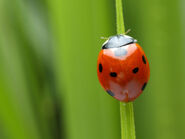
(118, 41)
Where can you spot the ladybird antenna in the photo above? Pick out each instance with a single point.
(104, 38)
(127, 31)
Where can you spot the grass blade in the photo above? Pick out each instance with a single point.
(126, 109)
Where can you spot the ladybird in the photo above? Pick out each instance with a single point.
(122, 68)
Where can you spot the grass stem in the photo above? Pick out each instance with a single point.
(126, 109)
(119, 17)
(127, 121)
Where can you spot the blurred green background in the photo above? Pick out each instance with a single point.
(48, 83)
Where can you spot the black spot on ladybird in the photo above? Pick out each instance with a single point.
(144, 60)
(110, 93)
(113, 74)
(100, 67)
(143, 87)
(120, 51)
(135, 70)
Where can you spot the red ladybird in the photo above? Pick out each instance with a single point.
(123, 69)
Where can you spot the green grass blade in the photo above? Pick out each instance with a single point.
(127, 120)
(28, 103)
(119, 17)
(89, 112)
(126, 109)
(160, 111)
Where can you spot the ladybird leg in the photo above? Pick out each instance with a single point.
(104, 38)
(129, 30)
